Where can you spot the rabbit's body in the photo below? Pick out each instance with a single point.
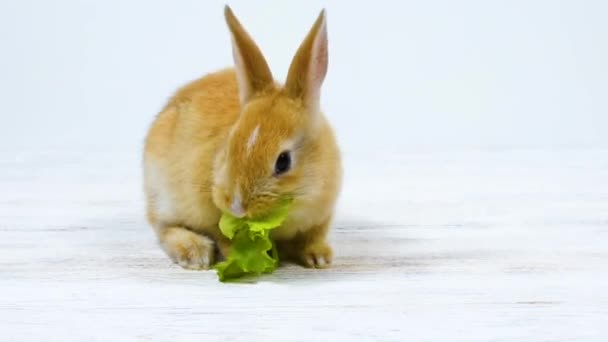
(208, 152)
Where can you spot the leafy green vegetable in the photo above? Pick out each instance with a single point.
(252, 251)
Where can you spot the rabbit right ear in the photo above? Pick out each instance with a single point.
(253, 73)
(309, 65)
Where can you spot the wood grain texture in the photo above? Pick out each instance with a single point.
(489, 245)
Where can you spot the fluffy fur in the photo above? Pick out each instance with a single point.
(214, 146)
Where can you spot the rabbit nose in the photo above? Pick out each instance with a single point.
(236, 207)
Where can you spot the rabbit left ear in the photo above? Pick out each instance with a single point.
(309, 66)
(252, 71)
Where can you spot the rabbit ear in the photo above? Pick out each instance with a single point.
(252, 71)
(309, 66)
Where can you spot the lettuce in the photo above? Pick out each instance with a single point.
(252, 251)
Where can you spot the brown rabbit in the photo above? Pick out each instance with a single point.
(236, 141)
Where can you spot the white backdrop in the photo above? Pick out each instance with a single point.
(402, 74)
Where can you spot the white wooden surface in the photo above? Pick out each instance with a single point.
(453, 245)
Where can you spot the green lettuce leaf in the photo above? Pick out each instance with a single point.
(230, 224)
(271, 220)
(252, 251)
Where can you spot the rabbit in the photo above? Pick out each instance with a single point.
(236, 141)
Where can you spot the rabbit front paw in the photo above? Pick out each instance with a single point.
(316, 255)
(188, 249)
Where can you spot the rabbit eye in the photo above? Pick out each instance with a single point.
(283, 163)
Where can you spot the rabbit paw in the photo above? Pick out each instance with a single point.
(188, 249)
(317, 255)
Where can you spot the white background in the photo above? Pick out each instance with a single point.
(426, 73)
